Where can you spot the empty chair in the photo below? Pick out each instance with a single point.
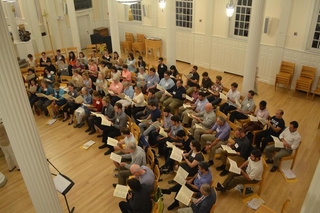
(127, 44)
(285, 74)
(317, 90)
(139, 45)
(74, 49)
(306, 78)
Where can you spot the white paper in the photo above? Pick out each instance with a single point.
(288, 174)
(181, 176)
(184, 195)
(255, 203)
(186, 106)
(163, 133)
(112, 142)
(189, 98)
(176, 154)
(198, 126)
(188, 76)
(223, 96)
(144, 121)
(61, 183)
(190, 115)
(277, 142)
(228, 149)
(160, 87)
(50, 122)
(105, 121)
(262, 120)
(169, 144)
(156, 124)
(234, 167)
(238, 104)
(253, 118)
(121, 191)
(115, 157)
(88, 144)
(111, 92)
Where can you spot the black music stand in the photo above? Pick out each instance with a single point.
(65, 187)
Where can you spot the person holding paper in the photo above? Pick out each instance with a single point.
(222, 133)
(193, 80)
(204, 203)
(275, 126)
(138, 102)
(162, 68)
(145, 175)
(151, 81)
(262, 113)
(119, 120)
(80, 112)
(206, 81)
(33, 87)
(116, 87)
(48, 77)
(128, 137)
(242, 147)
(43, 102)
(174, 73)
(138, 199)
(141, 77)
(247, 107)
(251, 172)
(71, 106)
(77, 79)
(104, 84)
(203, 176)
(205, 119)
(126, 74)
(56, 104)
(216, 88)
(87, 81)
(197, 107)
(176, 99)
(142, 114)
(127, 91)
(233, 97)
(166, 83)
(192, 158)
(290, 138)
(141, 62)
(155, 114)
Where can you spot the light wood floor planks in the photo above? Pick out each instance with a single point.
(92, 171)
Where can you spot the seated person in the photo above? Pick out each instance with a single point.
(165, 124)
(128, 91)
(204, 203)
(94, 122)
(193, 80)
(117, 88)
(137, 156)
(138, 199)
(128, 137)
(243, 148)
(275, 126)
(145, 175)
(222, 133)
(174, 73)
(126, 74)
(48, 77)
(290, 138)
(166, 83)
(141, 62)
(43, 102)
(205, 119)
(58, 93)
(154, 115)
(33, 87)
(206, 81)
(87, 81)
(151, 81)
(138, 103)
(119, 120)
(182, 143)
(247, 107)
(198, 106)
(172, 135)
(95, 107)
(216, 88)
(251, 172)
(80, 112)
(192, 158)
(142, 114)
(203, 176)
(261, 112)
(233, 97)
(71, 105)
(102, 89)
(141, 77)
(176, 99)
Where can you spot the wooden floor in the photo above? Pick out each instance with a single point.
(92, 172)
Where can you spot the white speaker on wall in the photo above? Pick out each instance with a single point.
(145, 10)
(65, 8)
(267, 22)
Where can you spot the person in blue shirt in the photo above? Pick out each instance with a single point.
(202, 177)
(151, 80)
(58, 94)
(154, 115)
(166, 83)
(43, 102)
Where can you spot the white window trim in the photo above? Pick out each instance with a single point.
(137, 21)
(313, 21)
(193, 22)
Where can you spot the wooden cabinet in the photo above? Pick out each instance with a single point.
(103, 31)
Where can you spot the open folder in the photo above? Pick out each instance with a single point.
(184, 195)
(181, 176)
(234, 167)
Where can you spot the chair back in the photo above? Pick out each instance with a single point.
(233, 126)
(136, 131)
(285, 206)
(50, 54)
(129, 37)
(293, 156)
(74, 49)
(219, 113)
(129, 123)
(215, 204)
(287, 67)
(141, 38)
(156, 172)
(150, 159)
(308, 72)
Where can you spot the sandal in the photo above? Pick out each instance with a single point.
(70, 123)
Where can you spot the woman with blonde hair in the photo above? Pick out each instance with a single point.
(87, 82)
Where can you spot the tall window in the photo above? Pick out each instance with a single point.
(242, 18)
(82, 4)
(136, 11)
(184, 13)
(316, 34)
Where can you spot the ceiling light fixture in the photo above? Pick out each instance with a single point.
(230, 9)
(129, 2)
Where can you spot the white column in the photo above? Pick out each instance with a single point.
(208, 31)
(73, 24)
(53, 24)
(283, 22)
(30, 13)
(114, 26)
(171, 32)
(12, 21)
(22, 130)
(253, 46)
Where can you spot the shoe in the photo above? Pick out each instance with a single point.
(81, 125)
(115, 175)
(268, 161)
(172, 182)
(166, 191)
(210, 163)
(221, 189)
(115, 169)
(65, 119)
(88, 130)
(220, 168)
(103, 146)
(99, 136)
(224, 173)
(273, 169)
(114, 185)
(174, 205)
(70, 123)
(219, 185)
(12, 169)
(92, 132)
(204, 151)
(76, 126)
(108, 153)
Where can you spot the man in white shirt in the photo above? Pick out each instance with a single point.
(233, 97)
(290, 138)
(252, 174)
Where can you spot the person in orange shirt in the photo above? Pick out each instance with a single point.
(117, 88)
(126, 74)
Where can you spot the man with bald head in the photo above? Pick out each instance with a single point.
(145, 176)
(205, 119)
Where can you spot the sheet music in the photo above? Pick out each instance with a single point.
(190, 115)
(99, 84)
(127, 98)
(169, 144)
(67, 96)
(50, 122)
(255, 203)
(184, 195)
(156, 124)
(112, 142)
(105, 121)
(228, 149)
(186, 106)
(121, 191)
(115, 157)
(253, 118)
(181, 176)
(277, 142)
(176, 154)
(79, 99)
(262, 120)
(163, 133)
(189, 98)
(29, 77)
(51, 98)
(223, 96)
(144, 121)
(111, 92)
(61, 183)
(41, 95)
(32, 89)
(188, 76)
(88, 144)
(234, 167)
(238, 104)
(160, 88)
(198, 126)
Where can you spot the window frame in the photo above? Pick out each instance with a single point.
(315, 18)
(134, 10)
(184, 7)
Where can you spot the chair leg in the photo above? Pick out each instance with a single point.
(244, 191)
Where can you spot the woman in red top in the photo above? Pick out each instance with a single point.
(72, 62)
(96, 105)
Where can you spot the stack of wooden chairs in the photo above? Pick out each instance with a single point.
(139, 45)
(306, 79)
(127, 44)
(285, 74)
